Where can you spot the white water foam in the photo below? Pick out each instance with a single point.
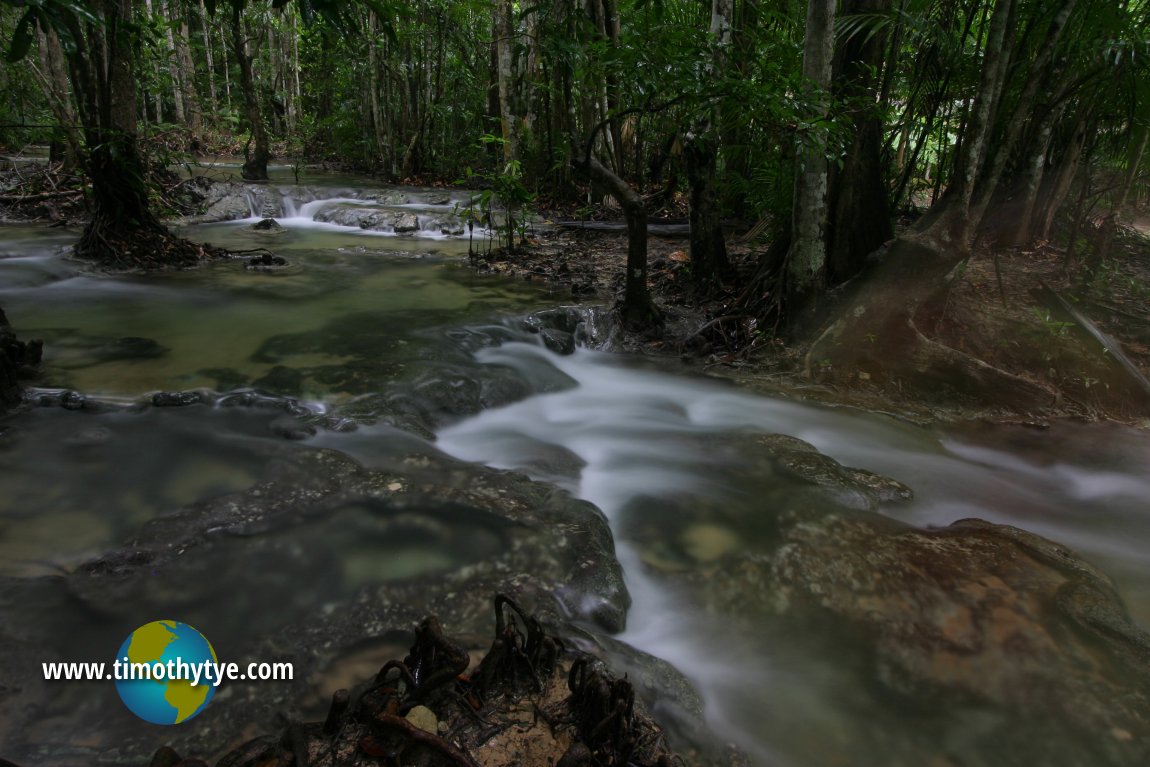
(623, 421)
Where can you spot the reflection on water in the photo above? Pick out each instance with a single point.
(209, 327)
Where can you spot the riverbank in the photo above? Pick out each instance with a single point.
(1002, 310)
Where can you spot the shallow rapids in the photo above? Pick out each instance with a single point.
(365, 328)
(636, 431)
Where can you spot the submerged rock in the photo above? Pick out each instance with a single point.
(268, 226)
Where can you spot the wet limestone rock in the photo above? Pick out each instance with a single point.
(268, 226)
(406, 222)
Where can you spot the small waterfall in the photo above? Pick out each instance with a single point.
(253, 204)
(289, 208)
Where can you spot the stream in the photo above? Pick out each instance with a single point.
(361, 313)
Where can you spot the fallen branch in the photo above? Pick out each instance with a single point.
(19, 199)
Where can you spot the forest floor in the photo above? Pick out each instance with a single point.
(1000, 314)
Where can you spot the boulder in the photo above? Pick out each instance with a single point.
(268, 226)
(406, 222)
(315, 563)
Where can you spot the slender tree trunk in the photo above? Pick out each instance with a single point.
(950, 220)
(708, 247)
(1023, 112)
(157, 97)
(53, 77)
(708, 251)
(637, 310)
(1033, 170)
(213, 98)
(504, 28)
(256, 162)
(806, 261)
(226, 69)
(1056, 192)
(378, 118)
(1133, 163)
(173, 63)
(192, 109)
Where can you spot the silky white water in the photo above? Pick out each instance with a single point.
(636, 430)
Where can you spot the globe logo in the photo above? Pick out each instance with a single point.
(164, 693)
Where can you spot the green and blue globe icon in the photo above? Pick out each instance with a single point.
(164, 700)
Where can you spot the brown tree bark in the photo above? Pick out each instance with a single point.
(708, 246)
(708, 251)
(503, 27)
(53, 77)
(637, 310)
(213, 97)
(1024, 109)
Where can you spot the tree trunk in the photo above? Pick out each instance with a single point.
(708, 250)
(949, 221)
(1133, 163)
(1023, 112)
(857, 201)
(53, 78)
(123, 231)
(637, 309)
(504, 27)
(806, 261)
(192, 109)
(709, 262)
(378, 118)
(213, 98)
(256, 162)
(1033, 170)
(173, 64)
(1056, 192)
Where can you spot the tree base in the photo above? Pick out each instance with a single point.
(146, 248)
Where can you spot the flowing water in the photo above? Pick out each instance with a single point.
(358, 312)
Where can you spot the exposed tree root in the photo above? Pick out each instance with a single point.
(148, 248)
(936, 362)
